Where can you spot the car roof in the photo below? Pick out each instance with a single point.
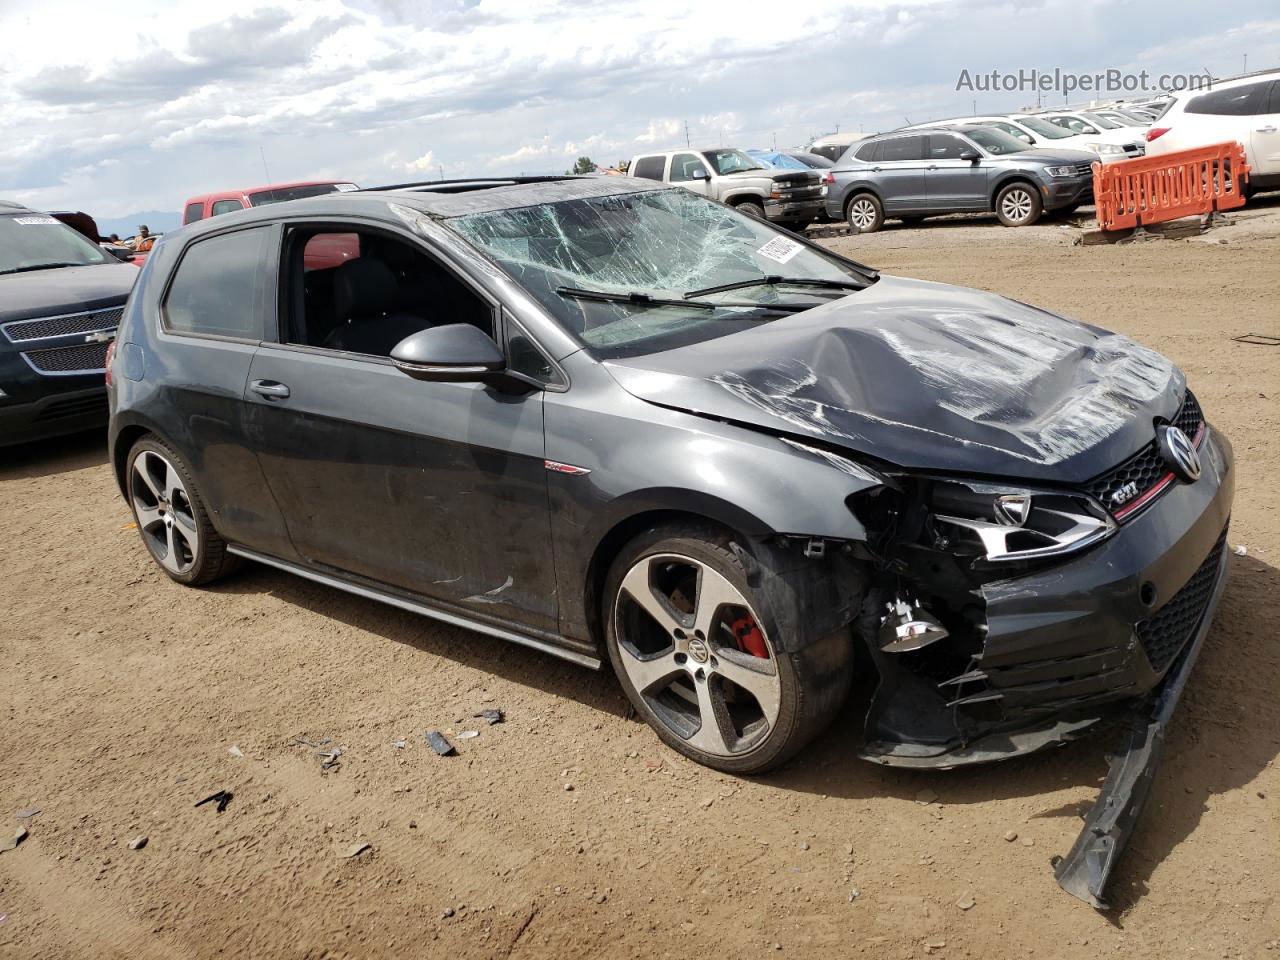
(9, 206)
(216, 194)
(438, 199)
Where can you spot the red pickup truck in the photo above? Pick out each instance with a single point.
(328, 250)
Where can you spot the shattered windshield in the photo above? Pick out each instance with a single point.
(654, 246)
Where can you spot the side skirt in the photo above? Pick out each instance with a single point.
(414, 606)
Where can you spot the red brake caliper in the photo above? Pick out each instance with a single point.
(750, 639)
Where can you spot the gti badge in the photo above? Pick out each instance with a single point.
(1178, 452)
(1013, 509)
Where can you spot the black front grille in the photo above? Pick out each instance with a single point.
(83, 358)
(1084, 169)
(802, 193)
(46, 327)
(1168, 631)
(1145, 468)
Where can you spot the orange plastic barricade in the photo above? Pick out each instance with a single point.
(1155, 189)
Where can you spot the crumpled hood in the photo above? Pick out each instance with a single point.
(50, 293)
(932, 377)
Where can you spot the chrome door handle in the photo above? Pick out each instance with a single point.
(1267, 129)
(269, 389)
(932, 166)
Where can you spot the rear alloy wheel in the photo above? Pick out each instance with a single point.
(171, 517)
(1018, 205)
(865, 214)
(687, 637)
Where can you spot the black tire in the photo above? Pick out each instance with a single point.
(1018, 204)
(797, 226)
(751, 208)
(864, 213)
(813, 682)
(205, 561)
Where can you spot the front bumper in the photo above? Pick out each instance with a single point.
(782, 210)
(1071, 645)
(68, 411)
(1067, 191)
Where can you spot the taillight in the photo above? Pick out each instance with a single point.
(829, 179)
(1155, 132)
(111, 353)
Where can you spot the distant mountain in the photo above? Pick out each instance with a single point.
(157, 221)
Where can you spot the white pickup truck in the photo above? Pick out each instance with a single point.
(791, 198)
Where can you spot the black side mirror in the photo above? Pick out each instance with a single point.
(454, 353)
(968, 153)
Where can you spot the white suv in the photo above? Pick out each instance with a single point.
(1246, 109)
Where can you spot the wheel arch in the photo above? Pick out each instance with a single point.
(852, 193)
(1009, 179)
(744, 196)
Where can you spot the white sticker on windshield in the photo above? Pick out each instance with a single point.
(780, 249)
(346, 187)
(28, 221)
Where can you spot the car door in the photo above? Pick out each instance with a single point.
(899, 171)
(216, 310)
(953, 183)
(1265, 135)
(437, 489)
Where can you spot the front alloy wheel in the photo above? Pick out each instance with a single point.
(1018, 205)
(699, 651)
(692, 648)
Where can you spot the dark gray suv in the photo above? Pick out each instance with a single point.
(912, 174)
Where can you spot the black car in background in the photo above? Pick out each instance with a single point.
(614, 420)
(61, 298)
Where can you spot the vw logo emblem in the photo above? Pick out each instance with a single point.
(698, 650)
(1179, 454)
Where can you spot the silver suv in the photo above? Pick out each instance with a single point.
(912, 174)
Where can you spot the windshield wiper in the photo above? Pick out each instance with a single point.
(633, 297)
(638, 299)
(774, 281)
(42, 266)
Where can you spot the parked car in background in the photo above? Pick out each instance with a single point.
(228, 201)
(912, 174)
(619, 423)
(834, 145)
(1034, 131)
(1126, 118)
(792, 198)
(1100, 129)
(1244, 109)
(61, 297)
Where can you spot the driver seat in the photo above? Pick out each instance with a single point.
(365, 294)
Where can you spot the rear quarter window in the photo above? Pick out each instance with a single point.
(225, 206)
(193, 212)
(1237, 102)
(220, 287)
(649, 168)
(867, 152)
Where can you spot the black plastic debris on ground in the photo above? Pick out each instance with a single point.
(490, 716)
(221, 799)
(439, 744)
(313, 744)
(1258, 339)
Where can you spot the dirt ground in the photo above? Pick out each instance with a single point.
(569, 831)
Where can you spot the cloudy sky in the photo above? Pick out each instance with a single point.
(122, 107)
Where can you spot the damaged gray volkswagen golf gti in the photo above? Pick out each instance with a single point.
(617, 421)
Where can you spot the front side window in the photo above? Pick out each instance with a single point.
(944, 146)
(1236, 102)
(901, 148)
(220, 288)
(225, 206)
(685, 167)
(725, 162)
(995, 142)
(363, 291)
(37, 241)
(649, 168)
(661, 244)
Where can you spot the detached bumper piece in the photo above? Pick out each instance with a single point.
(1084, 871)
